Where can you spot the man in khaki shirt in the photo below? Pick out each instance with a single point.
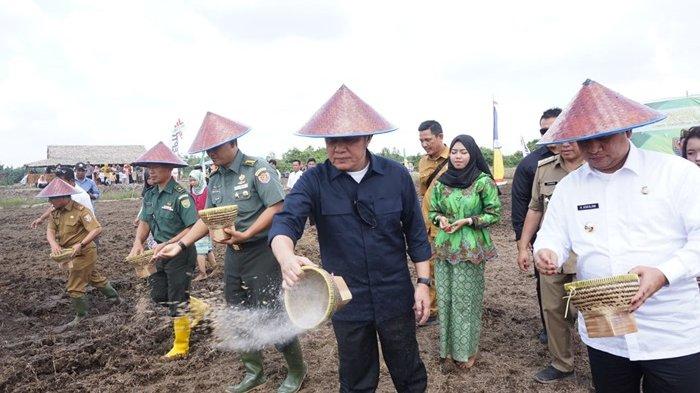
(430, 167)
(549, 172)
(74, 226)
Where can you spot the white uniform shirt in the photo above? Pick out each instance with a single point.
(82, 198)
(645, 214)
(293, 177)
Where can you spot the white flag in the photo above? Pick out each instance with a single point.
(523, 146)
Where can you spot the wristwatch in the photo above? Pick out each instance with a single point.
(424, 280)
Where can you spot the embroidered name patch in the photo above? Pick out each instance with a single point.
(587, 206)
(551, 183)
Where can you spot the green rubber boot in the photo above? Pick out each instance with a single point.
(296, 368)
(80, 307)
(254, 377)
(110, 293)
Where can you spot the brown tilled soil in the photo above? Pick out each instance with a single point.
(117, 348)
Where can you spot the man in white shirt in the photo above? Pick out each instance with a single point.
(295, 174)
(629, 210)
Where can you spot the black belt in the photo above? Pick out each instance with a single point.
(254, 243)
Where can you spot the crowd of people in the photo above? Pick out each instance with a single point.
(105, 174)
(586, 204)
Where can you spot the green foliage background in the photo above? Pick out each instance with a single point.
(10, 175)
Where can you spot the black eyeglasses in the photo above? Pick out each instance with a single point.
(366, 213)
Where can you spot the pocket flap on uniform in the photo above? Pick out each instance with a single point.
(330, 207)
(387, 205)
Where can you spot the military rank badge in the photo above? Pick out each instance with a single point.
(185, 202)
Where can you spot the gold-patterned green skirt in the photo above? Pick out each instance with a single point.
(460, 298)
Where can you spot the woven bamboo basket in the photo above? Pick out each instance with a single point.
(63, 257)
(218, 218)
(604, 303)
(315, 298)
(142, 263)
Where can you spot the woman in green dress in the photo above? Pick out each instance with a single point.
(464, 203)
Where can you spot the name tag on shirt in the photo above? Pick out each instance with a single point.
(551, 183)
(240, 187)
(166, 207)
(588, 206)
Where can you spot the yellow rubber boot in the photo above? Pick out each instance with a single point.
(198, 310)
(181, 344)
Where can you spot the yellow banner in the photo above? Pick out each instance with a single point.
(498, 169)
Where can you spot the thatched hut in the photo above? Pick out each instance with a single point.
(93, 154)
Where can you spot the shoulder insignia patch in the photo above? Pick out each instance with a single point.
(260, 170)
(263, 177)
(185, 203)
(546, 161)
(179, 188)
(183, 196)
(87, 218)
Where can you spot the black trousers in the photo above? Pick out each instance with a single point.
(170, 284)
(252, 276)
(620, 375)
(359, 354)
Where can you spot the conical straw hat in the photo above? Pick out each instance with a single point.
(597, 111)
(160, 154)
(216, 130)
(345, 115)
(57, 188)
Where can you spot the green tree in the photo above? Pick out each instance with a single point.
(488, 154)
(512, 160)
(392, 154)
(285, 164)
(415, 159)
(508, 160)
(532, 145)
(10, 175)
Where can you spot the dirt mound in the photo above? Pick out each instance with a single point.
(117, 348)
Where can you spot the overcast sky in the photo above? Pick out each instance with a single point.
(122, 72)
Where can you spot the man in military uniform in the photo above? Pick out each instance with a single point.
(549, 172)
(72, 225)
(430, 167)
(168, 212)
(252, 277)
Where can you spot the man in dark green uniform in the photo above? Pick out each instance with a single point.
(252, 275)
(168, 212)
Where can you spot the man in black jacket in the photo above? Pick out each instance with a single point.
(522, 192)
